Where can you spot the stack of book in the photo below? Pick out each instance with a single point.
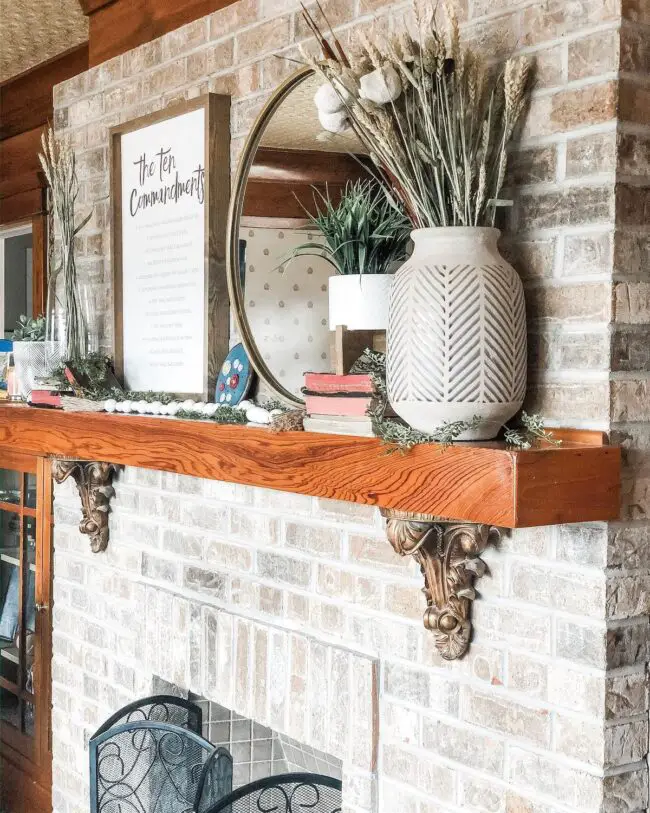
(337, 404)
(47, 393)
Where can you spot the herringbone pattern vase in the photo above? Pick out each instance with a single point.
(457, 333)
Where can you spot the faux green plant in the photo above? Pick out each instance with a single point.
(365, 232)
(29, 330)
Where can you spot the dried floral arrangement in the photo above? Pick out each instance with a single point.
(364, 233)
(435, 118)
(60, 167)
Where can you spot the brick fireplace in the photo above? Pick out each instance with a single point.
(294, 612)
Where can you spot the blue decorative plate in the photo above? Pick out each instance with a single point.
(235, 377)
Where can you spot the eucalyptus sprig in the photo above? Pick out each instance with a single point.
(29, 330)
(532, 431)
(365, 232)
(224, 415)
(96, 373)
(397, 435)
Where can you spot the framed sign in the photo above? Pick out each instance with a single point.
(170, 187)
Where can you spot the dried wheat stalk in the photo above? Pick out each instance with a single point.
(434, 117)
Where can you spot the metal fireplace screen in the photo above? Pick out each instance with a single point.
(160, 708)
(286, 793)
(150, 758)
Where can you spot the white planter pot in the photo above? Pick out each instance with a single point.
(359, 301)
(31, 362)
(457, 333)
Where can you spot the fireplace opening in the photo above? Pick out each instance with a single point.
(170, 753)
(258, 751)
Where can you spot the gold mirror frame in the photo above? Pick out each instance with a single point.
(234, 221)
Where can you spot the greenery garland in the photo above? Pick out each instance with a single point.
(225, 414)
(531, 430)
(402, 437)
(96, 371)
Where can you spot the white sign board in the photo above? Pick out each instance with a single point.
(163, 255)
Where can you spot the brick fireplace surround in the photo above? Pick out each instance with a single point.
(294, 611)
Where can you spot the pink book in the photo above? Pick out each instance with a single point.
(328, 405)
(45, 398)
(330, 382)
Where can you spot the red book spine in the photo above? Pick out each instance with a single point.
(327, 382)
(326, 405)
(45, 398)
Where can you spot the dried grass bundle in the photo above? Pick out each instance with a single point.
(435, 118)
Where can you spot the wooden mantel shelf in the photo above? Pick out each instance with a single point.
(578, 481)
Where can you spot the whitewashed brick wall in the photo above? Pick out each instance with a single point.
(549, 712)
(252, 598)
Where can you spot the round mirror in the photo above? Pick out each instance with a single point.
(280, 301)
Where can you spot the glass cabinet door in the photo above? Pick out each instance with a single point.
(24, 616)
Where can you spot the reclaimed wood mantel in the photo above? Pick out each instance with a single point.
(484, 483)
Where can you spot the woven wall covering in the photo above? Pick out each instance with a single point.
(32, 31)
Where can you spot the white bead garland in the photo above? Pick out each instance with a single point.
(254, 413)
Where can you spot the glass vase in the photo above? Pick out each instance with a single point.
(71, 326)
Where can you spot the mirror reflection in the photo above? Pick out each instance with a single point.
(284, 297)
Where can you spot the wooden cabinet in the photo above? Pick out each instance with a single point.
(25, 632)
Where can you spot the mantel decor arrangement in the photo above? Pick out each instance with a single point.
(436, 121)
(417, 132)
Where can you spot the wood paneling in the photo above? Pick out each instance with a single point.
(486, 482)
(305, 166)
(91, 6)
(26, 100)
(118, 26)
(21, 206)
(21, 178)
(19, 157)
(281, 182)
(281, 201)
(26, 107)
(39, 263)
(19, 794)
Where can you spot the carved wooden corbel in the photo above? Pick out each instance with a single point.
(94, 484)
(449, 557)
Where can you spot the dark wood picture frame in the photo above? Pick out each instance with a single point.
(217, 196)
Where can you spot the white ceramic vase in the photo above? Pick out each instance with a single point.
(359, 301)
(457, 333)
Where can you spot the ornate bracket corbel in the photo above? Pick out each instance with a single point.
(449, 557)
(94, 484)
